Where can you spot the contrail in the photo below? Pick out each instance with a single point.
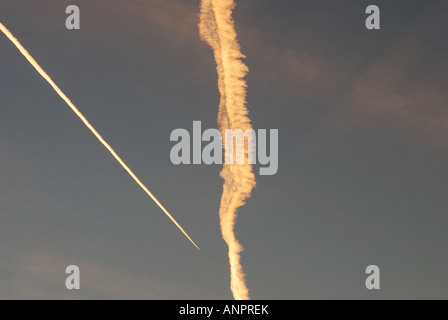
(80, 115)
(217, 28)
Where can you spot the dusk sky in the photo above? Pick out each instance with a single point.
(363, 151)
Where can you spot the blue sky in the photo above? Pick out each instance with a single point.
(363, 155)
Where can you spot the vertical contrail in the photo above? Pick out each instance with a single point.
(84, 120)
(217, 28)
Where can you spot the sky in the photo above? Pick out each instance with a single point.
(363, 123)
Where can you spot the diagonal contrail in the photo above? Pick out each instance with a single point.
(80, 115)
(217, 28)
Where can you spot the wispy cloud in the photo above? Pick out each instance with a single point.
(399, 84)
(41, 275)
(405, 87)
